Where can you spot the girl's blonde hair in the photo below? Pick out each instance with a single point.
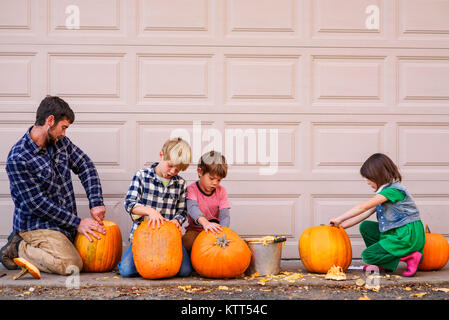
(177, 151)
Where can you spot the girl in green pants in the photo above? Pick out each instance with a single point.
(399, 234)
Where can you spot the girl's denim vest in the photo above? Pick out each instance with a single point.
(393, 215)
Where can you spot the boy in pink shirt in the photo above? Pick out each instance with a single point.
(207, 201)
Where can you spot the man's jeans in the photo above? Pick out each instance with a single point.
(127, 268)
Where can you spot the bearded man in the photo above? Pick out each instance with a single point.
(45, 220)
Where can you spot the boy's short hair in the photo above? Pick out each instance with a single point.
(213, 162)
(177, 151)
(52, 105)
(380, 169)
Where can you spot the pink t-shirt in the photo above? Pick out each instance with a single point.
(210, 205)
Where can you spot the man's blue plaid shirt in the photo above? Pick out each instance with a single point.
(146, 189)
(41, 185)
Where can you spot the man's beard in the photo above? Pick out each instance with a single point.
(50, 140)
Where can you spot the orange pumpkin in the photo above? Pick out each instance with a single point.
(157, 252)
(436, 251)
(103, 254)
(27, 267)
(220, 255)
(323, 246)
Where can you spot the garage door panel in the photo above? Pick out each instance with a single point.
(249, 18)
(175, 78)
(259, 78)
(354, 79)
(108, 160)
(261, 144)
(423, 149)
(86, 76)
(158, 16)
(423, 80)
(15, 15)
(431, 20)
(62, 11)
(431, 208)
(251, 211)
(343, 18)
(15, 75)
(344, 147)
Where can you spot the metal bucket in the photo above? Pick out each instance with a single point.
(266, 255)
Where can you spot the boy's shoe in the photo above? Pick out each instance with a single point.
(413, 260)
(10, 251)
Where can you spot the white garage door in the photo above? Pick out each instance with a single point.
(304, 89)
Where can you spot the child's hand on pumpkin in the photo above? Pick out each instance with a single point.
(212, 226)
(209, 226)
(336, 222)
(155, 219)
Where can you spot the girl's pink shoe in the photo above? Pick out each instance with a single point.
(372, 267)
(412, 260)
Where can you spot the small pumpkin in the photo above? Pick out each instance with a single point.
(220, 255)
(321, 247)
(157, 252)
(26, 267)
(103, 254)
(436, 251)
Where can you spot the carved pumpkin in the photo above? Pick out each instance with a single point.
(436, 251)
(220, 255)
(157, 252)
(321, 247)
(103, 254)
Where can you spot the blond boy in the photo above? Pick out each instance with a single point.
(158, 194)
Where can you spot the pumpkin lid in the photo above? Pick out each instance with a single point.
(27, 267)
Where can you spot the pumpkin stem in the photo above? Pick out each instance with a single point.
(22, 272)
(427, 229)
(222, 242)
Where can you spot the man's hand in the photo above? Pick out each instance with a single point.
(89, 226)
(98, 213)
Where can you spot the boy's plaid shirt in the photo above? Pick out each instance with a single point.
(146, 189)
(41, 185)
